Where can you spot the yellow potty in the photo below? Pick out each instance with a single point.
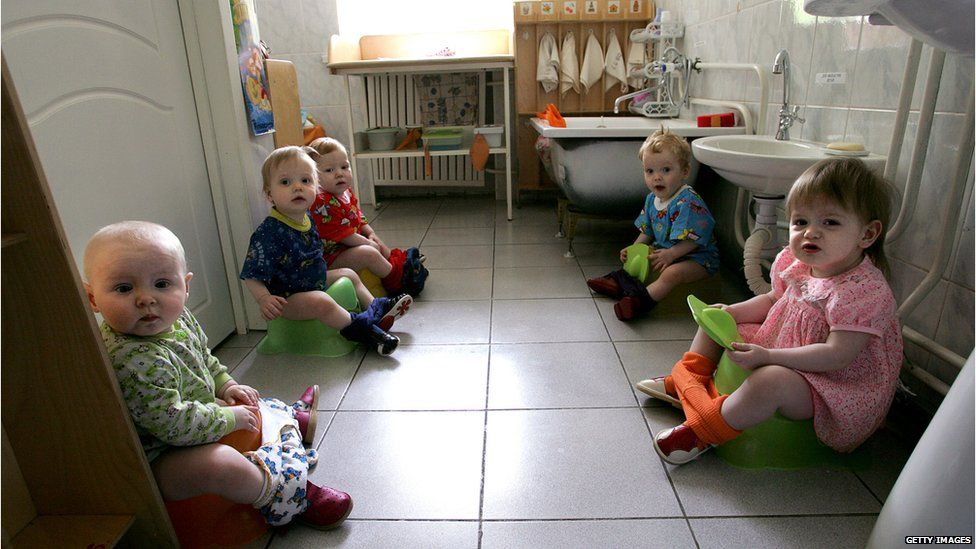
(372, 283)
(311, 337)
(778, 442)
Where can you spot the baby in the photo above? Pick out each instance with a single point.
(284, 269)
(348, 239)
(675, 220)
(182, 399)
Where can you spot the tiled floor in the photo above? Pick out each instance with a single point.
(507, 418)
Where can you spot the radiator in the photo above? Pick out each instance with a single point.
(391, 100)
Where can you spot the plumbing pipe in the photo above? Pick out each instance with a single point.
(949, 222)
(904, 107)
(936, 349)
(751, 257)
(740, 205)
(743, 110)
(925, 116)
(763, 84)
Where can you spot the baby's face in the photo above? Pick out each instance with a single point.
(293, 187)
(139, 290)
(335, 173)
(663, 174)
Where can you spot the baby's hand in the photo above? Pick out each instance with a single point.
(748, 355)
(245, 418)
(241, 394)
(379, 245)
(271, 306)
(661, 258)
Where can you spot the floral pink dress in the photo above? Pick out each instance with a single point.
(848, 404)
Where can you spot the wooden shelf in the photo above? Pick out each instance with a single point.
(73, 531)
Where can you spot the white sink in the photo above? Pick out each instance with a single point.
(763, 165)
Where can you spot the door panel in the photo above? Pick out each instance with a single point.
(106, 90)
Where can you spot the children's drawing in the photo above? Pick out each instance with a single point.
(250, 58)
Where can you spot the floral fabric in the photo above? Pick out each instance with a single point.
(684, 217)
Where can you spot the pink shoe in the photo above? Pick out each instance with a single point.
(327, 507)
(679, 445)
(311, 397)
(307, 422)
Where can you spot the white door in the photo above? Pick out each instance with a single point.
(106, 90)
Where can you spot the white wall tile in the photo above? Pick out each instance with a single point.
(961, 265)
(282, 26)
(955, 325)
(321, 22)
(904, 279)
(881, 61)
(834, 51)
(824, 125)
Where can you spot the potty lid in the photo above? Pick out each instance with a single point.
(716, 323)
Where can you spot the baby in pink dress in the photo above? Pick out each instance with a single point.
(823, 343)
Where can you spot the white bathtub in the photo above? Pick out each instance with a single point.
(594, 159)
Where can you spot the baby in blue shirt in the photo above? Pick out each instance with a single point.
(674, 220)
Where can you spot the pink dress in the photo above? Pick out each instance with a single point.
(848, 404)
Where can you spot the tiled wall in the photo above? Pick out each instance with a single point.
(861, 109)
(752, 31)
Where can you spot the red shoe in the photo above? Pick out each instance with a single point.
(631, 306)
(327, 507)
(307, 422)
(605, 285)
(679, 445)
(396, 307)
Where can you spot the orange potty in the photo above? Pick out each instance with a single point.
(212, 521)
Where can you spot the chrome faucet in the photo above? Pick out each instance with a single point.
(787, 115)
(626, 96)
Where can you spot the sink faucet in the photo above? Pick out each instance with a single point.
(626, 96)
(787, 115)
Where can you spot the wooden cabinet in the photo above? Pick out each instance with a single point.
(74, 473)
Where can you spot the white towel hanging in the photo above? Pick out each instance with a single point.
(614, 65)
(592, 69)
(547, 67)
(635, 60)
(568, 65)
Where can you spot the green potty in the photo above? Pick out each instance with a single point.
(637, 264)
(311, 337)
(779, 442)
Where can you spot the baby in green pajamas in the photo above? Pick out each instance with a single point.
(182, 399)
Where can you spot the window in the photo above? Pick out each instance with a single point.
(362, 17)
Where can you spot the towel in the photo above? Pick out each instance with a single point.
(568, 65)
(592, 69)
(614, 65)
(547, 69)
(635, 61)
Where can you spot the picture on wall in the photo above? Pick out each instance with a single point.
(250, 58)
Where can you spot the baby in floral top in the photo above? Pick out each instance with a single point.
(675, 220)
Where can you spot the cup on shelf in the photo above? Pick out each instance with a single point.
(382, 138)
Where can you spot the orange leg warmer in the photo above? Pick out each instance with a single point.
(692, 378)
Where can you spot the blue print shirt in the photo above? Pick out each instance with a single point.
(683, 217)
(286, 256)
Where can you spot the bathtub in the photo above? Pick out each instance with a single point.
(594, 159)
(594, 162)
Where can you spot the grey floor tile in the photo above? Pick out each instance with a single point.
(525, 234)
(888, 457)
(323, 421)
(532, 255)
(657, 325)
(548, 464)
(776, 532)
(456, 284)
(389, 222)
(612, 232)
(286, 376)
(535, 213)
(557, 375)
(371, 534)
(644, 533)
(230, 356)
(647, 359)
(463, 218)
(598, 253)
(546, 320)
(539, 282)
(402, 238)
(405, 465)
(459, 257)
(445, 322)
(459, 237)
(422, 377)
(247, 340)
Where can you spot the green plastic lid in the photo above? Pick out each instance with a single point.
(718, 324)
(637, 264)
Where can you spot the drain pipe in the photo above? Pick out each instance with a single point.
(919, 152)
(752, 260)
(904, 107)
